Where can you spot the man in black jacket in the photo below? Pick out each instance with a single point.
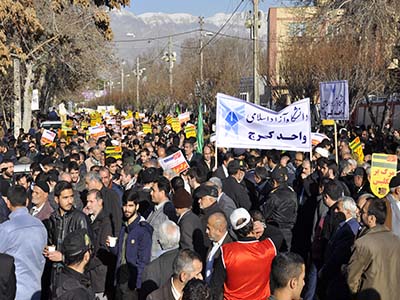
(72, 282)
(101, 266)
(208, 205)
(280, 206)
(234, 187)
(111, 203)
(64, 220)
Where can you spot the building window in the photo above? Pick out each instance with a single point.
(297, 29)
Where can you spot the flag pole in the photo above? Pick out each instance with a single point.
(336, 144)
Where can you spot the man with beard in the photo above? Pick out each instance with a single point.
(133, 248)
(42, 208)
(7, 171)
(64, 220)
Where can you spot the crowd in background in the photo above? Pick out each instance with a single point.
(238, 224)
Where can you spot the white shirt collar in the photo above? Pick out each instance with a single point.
(175, 292)
(36, 210)
(158, 206)
(216, 246)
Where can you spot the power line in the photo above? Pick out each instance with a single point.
(231, 24)
(223, 26)
(158, 38)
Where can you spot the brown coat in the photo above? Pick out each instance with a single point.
(45, 212)
(374, 267)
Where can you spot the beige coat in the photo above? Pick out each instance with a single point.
(374, 267)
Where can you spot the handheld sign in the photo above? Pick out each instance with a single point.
(384, 167)
(97, 131)
(175, 162)
(47, 137)
(334, 100)
(356, 147)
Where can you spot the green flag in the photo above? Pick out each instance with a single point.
(200, 138)
(178, 109)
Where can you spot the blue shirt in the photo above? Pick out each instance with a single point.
(24, 238)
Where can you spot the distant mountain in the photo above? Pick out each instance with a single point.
(130, 27)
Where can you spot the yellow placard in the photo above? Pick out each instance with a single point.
(356, 147)
(115, 151)
(384, 167)
(146, 128)
(190, 131)
(176, 125)
(328, 122)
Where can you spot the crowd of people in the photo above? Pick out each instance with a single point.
(237, 224)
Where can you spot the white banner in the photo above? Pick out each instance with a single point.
(246, 125)
(334, 100)
(175, 162)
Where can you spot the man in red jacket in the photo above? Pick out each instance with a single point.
(247, 262)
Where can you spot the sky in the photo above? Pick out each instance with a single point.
(204, 8)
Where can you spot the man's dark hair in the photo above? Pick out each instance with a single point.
(274, 155)
(130, 195)
(163, 184)
(73, 260)
(246, 230)
(17, 196)
(177, 182)
(377, 208)
(75, 157)
(285, 266)
(62, 186)
(322, 161)
(333, 189)
(196, 289)
(109, 161)
(332, 165)
(197, 173)
(73, 165)
(261, 172)
(227, 156)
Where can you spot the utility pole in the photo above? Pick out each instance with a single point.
(201, 23)
(137, 82)
(171, 64)
(170, 57)
(138, 72)
(122, 79)
(255, 52)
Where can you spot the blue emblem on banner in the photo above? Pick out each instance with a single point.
(232, 116)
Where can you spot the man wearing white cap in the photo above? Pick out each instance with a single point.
(247, 262)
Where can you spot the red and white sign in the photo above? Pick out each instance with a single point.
(127, 123)
(97, 131)
(47, 137)
(175, 162)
